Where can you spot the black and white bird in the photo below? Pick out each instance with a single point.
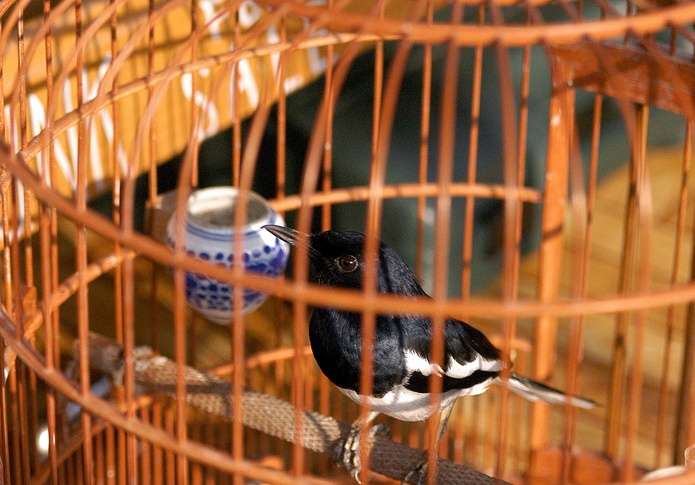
(402, 343)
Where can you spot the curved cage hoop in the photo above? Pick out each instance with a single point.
(529, 160)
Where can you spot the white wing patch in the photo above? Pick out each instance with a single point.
(460, 371)
(416, 363)
(490, 365)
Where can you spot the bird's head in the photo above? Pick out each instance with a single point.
(336, 258)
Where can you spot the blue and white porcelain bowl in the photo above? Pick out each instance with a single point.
(210, 236)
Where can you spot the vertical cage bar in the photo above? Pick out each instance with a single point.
(80, 464)
(614, 417)
(46, 216)
(81, 251)
(110, 456)
(684, 421)
(663, 405)
(211, 474)
(151, 130)
(371, 253)
(5, 182)
(27, 198)
(327, 181)
(20, 220)
(445, 164)
(122, 451)
(237, 341)
(152, 179)
(519, 408)
(146, 453)
(325, 408)
(560, 114)
(180, 357)
(195, 130)
(684, 429)
(45, 239)
(281, 146)
(512, 213)
(99, 457)
(424, 147)
(128, 463)
(582, 255)
(11, 266)
(70, 470)
(54, 254)
(157, 454)
(467, 256)
(488, 452)
(16, 460)
(170, 457)
(22, 408)
(469, 214)
(644, 203)
(515, 178)
(3, 125)
(196, 468)
(236, 111)
(248, 167)
(116, 187)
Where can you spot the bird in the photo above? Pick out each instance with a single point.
(401, 346)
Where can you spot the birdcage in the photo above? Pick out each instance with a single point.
(530, 159)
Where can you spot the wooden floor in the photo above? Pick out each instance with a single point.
(270, 327)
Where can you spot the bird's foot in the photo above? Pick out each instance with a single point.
(349, 453)
(418, 474)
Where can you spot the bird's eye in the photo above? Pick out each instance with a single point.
(347, 264)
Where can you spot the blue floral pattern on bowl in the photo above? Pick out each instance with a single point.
(262, 253)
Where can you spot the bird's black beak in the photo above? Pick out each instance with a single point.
(291, 236)
(288, 235)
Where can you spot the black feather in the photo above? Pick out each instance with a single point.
(335, 335)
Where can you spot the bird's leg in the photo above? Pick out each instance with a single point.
(349, 453)
(418, 475)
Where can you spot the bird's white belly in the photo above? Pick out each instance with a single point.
(407, 405)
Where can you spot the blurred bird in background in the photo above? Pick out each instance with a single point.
(402, 345)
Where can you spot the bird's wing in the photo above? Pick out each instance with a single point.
(469, 356)
(469, 350)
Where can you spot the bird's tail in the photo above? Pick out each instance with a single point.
(534, 391)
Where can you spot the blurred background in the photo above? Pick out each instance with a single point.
(352, 132)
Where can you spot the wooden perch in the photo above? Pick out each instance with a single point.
(268, 414)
